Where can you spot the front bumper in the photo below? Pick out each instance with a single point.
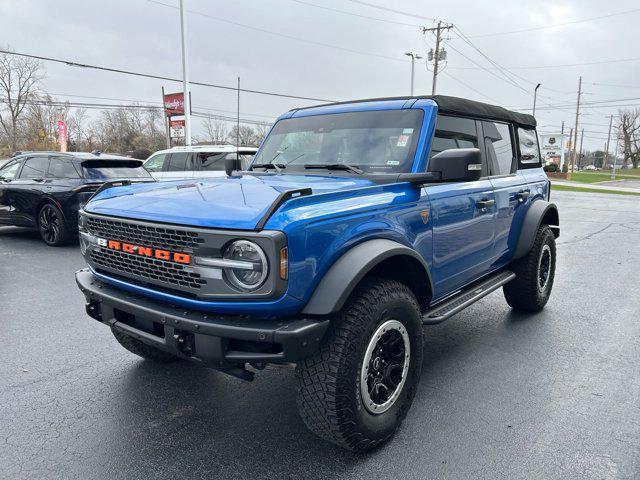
(217, 341)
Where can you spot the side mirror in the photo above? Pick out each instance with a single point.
(457, 164)
(232, 165)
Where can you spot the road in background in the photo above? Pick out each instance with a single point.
(502, 395)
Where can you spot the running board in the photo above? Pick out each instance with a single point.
(469, 295)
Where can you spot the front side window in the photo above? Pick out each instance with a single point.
(62, 168)
(529, 151)
(8, 172)
(373, 141)
(453, 133)
(179, 162)
(497, 140)
(155, 163)
(34, 168)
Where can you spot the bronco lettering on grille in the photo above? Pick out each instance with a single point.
(158, 253)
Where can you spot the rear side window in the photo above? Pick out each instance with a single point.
(102, 170)
(452, 133)
(179, 162)
(62, 168)
(212, 161)
(35, 167)
(156, 163)
(497, 140)
(529, 151)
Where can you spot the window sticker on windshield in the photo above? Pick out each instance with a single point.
(393, 162)
(407, 131)
(403, 140)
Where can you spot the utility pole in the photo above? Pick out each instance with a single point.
(580, 155)
(535, 97)
(606, 155)
(185, 75)
(436, 55)
(562, 128)
(575, 130)
(414, 57)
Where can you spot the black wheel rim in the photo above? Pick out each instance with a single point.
(49, 224)
(385, 367)
(544, 268)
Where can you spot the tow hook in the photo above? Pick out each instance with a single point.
(184, 342)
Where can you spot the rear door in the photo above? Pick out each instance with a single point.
(25, 192)
(510, 186)
(462, 213)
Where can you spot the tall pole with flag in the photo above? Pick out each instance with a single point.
(185, 75)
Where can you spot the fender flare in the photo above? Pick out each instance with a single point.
(345, 274)
(539, 211)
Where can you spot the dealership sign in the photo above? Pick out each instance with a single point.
(173, 104)
(176, 127)
(552, 147)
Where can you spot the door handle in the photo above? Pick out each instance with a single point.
(523, 195)
(485, 203)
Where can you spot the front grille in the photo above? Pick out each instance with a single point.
(146, 235)
(168, 273)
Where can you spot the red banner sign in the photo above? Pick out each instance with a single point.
(174, 104)
(62, 135)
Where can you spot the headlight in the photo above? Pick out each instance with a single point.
(251, 269)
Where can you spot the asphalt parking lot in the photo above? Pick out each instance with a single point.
(502, 395)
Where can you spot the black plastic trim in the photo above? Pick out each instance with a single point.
(532, 221)
(277, 203)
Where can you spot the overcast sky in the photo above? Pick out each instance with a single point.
(321, 51)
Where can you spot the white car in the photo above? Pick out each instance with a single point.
(196, 161)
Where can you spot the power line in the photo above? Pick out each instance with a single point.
(72, 63)
(283, 35)
(391, 10)
(555, 25)
(344, 12)
(562, 65)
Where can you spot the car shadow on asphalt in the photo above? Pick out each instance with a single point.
(28, 236)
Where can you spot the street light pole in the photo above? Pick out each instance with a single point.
(535, 97)
(185, 75)
(414, 57)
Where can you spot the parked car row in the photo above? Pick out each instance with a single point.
(45, 190)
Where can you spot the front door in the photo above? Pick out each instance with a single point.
(462, 214)
(7, 175)
(25, 192)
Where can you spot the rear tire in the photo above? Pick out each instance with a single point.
(535, 272)
(52, 227)
(142, 349)
(356, 391)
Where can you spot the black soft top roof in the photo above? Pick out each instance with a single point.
(460, 106)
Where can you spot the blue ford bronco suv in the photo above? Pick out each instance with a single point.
(356, 224)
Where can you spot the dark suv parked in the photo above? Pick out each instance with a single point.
(45, 190)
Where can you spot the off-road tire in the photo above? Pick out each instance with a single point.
(329, 397)
(52, 227)
(142, 349)
(523, 292)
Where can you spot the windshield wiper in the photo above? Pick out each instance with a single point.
(335, 166)
(277, 166)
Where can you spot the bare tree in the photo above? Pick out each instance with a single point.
(215, 131)
(248, 136)
(19, 81)
(261, 130)
(629, 134)
(39, 125)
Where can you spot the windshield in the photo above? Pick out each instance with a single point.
(106, 170)
(374, 141)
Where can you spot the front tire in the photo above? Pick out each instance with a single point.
(141, 349)
(356, 391)
(535, 272)
(52, 227)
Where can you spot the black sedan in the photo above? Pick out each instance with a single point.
(45, 190)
